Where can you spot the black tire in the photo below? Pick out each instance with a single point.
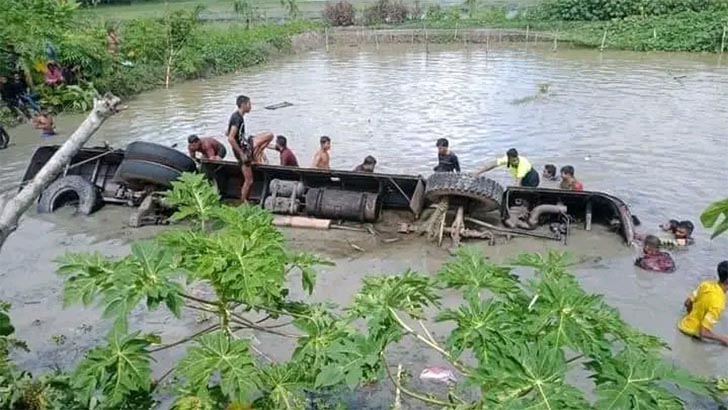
(485, 191)
(170, 157)
(71, 189)
(139, 174)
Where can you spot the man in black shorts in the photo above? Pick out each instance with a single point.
(247, 149)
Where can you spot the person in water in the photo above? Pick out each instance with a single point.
(368, 165)
(705, 306)
(288, 158)
(549, 172)
(568, 181)
(44, 122)
(247, 149)
(4, 138)
(518, 166)
(208, 147)
(447, 161)
(653, 259)
(682, 234)
(322, 159)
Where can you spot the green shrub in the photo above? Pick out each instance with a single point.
(601, 10)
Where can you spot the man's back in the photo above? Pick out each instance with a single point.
(708, 305)
(288, 158)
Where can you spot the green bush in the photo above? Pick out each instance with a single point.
(601, 10)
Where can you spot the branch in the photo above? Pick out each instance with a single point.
(412, 394)
(198, 300)
(432, 344)
(159, 381)
(186, 339)
(248, 324)
(202, 309)
(13, 209)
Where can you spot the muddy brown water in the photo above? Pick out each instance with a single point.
(647, 127)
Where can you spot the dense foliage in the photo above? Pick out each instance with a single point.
(515, 341)
(602, 10)
(176, 45)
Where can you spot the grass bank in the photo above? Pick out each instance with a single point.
(691, 31)
(152, 53)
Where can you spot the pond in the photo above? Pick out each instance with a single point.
(649, 128)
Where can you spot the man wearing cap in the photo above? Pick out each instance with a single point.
(518, 166)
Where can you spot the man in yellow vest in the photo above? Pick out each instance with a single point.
(518, 166)
(705, 306)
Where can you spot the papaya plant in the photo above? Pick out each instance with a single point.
(716, 217)
(514, 341)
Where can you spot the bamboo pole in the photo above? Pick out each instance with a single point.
(427, 41)
(722, 42)
(604, 40)
(326, 33)
(528, 28)
(556, 41)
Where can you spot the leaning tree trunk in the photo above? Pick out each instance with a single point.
(13, 209)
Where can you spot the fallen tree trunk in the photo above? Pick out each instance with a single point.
(12, 209)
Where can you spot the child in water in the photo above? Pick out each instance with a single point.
(653, 259)
(682, 232)
(44, 122)
(549, 172)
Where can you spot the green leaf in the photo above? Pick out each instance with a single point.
(330, 375)
(715, 211)
(115, 371)
(633, 380)
(305, 262)
(473, 272)
(530, 375)
(282, 386)
(6, 328)
(711, 214)
(193, 197)
(218, 353)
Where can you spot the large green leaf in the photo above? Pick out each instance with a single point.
(529, 376)
(352, 360)
(283, 386)
(481, 327)
(710, 217)
(472, 272)
(219, 354)
(634, 380)
(115, 371)
(193, 197)
(150, 273)
(409, 292)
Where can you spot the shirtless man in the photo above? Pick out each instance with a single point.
(247, 149)
(322, 159)
(208, 147)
